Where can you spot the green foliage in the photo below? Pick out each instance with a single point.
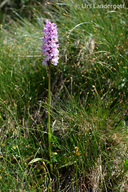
(89, 104)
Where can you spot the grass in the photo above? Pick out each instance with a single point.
(89, 105)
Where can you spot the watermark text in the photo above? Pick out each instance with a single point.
(103, 6)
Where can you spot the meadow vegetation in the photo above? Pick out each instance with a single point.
(89, 110)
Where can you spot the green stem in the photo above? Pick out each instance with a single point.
(49, 119)
(76, 176)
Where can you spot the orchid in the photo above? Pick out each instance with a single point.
(50, 46)
(51, 56)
